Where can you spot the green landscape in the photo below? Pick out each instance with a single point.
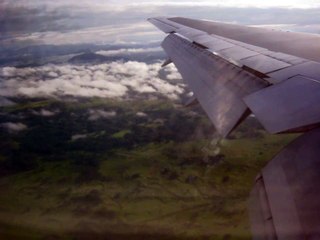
(102, 135)
(136, 169)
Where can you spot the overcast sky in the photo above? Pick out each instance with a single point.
(99, 22)
(61, 22)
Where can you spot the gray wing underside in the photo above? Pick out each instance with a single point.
(234, 70)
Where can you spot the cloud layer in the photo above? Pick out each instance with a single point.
(61, 22)
(14, 127)
(111, 80)
(126, 51)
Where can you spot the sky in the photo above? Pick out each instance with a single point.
(30, 22)
(122, 24)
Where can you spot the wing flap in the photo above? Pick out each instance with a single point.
(310, 69)
(237, 53)
(264, 64)
(218, 85)
(292, 105)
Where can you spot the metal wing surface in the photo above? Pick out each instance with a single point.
(234, 70)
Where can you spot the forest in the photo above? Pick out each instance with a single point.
(135, 169)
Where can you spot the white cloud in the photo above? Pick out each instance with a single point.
(110, 34)
(14, 127)
(78, 136)
(52, 74)
(128, 51)
(110, 80)
(45, 113)
(8, 72)
(141, 114)
(95, 114)
(172, 72)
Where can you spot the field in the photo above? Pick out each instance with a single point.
(98, 169)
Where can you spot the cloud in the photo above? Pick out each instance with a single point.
(172, 72)
(21, 18)
(110, 80)
(140, 31)
(45, 113)
(78, 136)
(141, 114)
(71, 22)
(96, 114)
(14, 127)
(125, 51)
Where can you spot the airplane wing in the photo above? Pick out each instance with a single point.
(236, 70)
